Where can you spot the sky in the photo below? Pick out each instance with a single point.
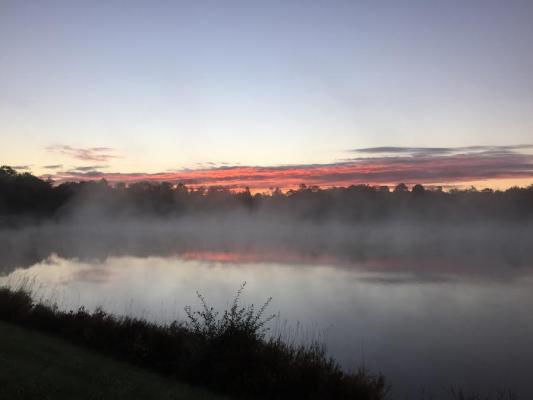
(266, 94)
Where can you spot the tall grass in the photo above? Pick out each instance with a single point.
(227, 351)
(458, 394)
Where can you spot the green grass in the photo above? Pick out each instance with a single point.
(37, 366)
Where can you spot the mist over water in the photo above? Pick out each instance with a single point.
(430, 306)
(486, 248)
(367, 165)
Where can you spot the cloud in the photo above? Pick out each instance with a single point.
(85, 154)
(21, 167)
(53, 166)
(89, 168)
(439, 150)
(442, 166)
(87, 174)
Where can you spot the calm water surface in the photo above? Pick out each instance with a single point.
(424, 325)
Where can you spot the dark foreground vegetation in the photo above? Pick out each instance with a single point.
(25, 195)
(34, 365)
(227, 353)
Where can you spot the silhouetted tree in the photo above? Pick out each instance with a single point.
(24, 195)
(418, 189)
(401, 188)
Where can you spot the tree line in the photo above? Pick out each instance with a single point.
(25, 195)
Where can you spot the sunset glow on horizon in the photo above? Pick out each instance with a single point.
(496, 166)
(367, 166)
(246, 94)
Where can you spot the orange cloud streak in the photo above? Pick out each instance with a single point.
(426, 169)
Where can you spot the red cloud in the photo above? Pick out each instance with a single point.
(427, 168)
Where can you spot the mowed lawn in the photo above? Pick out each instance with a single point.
(36, 366)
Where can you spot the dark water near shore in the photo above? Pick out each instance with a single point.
(426, 320)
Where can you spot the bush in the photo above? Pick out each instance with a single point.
(228, 351)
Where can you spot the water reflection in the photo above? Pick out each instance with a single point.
(490, 251)
(427, 317)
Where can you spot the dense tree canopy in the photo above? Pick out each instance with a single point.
(22, 194)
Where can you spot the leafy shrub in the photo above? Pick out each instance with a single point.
(227, 351)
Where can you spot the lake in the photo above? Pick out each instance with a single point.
(430, 311)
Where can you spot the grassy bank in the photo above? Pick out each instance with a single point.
(225, 352)
(34, 365)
